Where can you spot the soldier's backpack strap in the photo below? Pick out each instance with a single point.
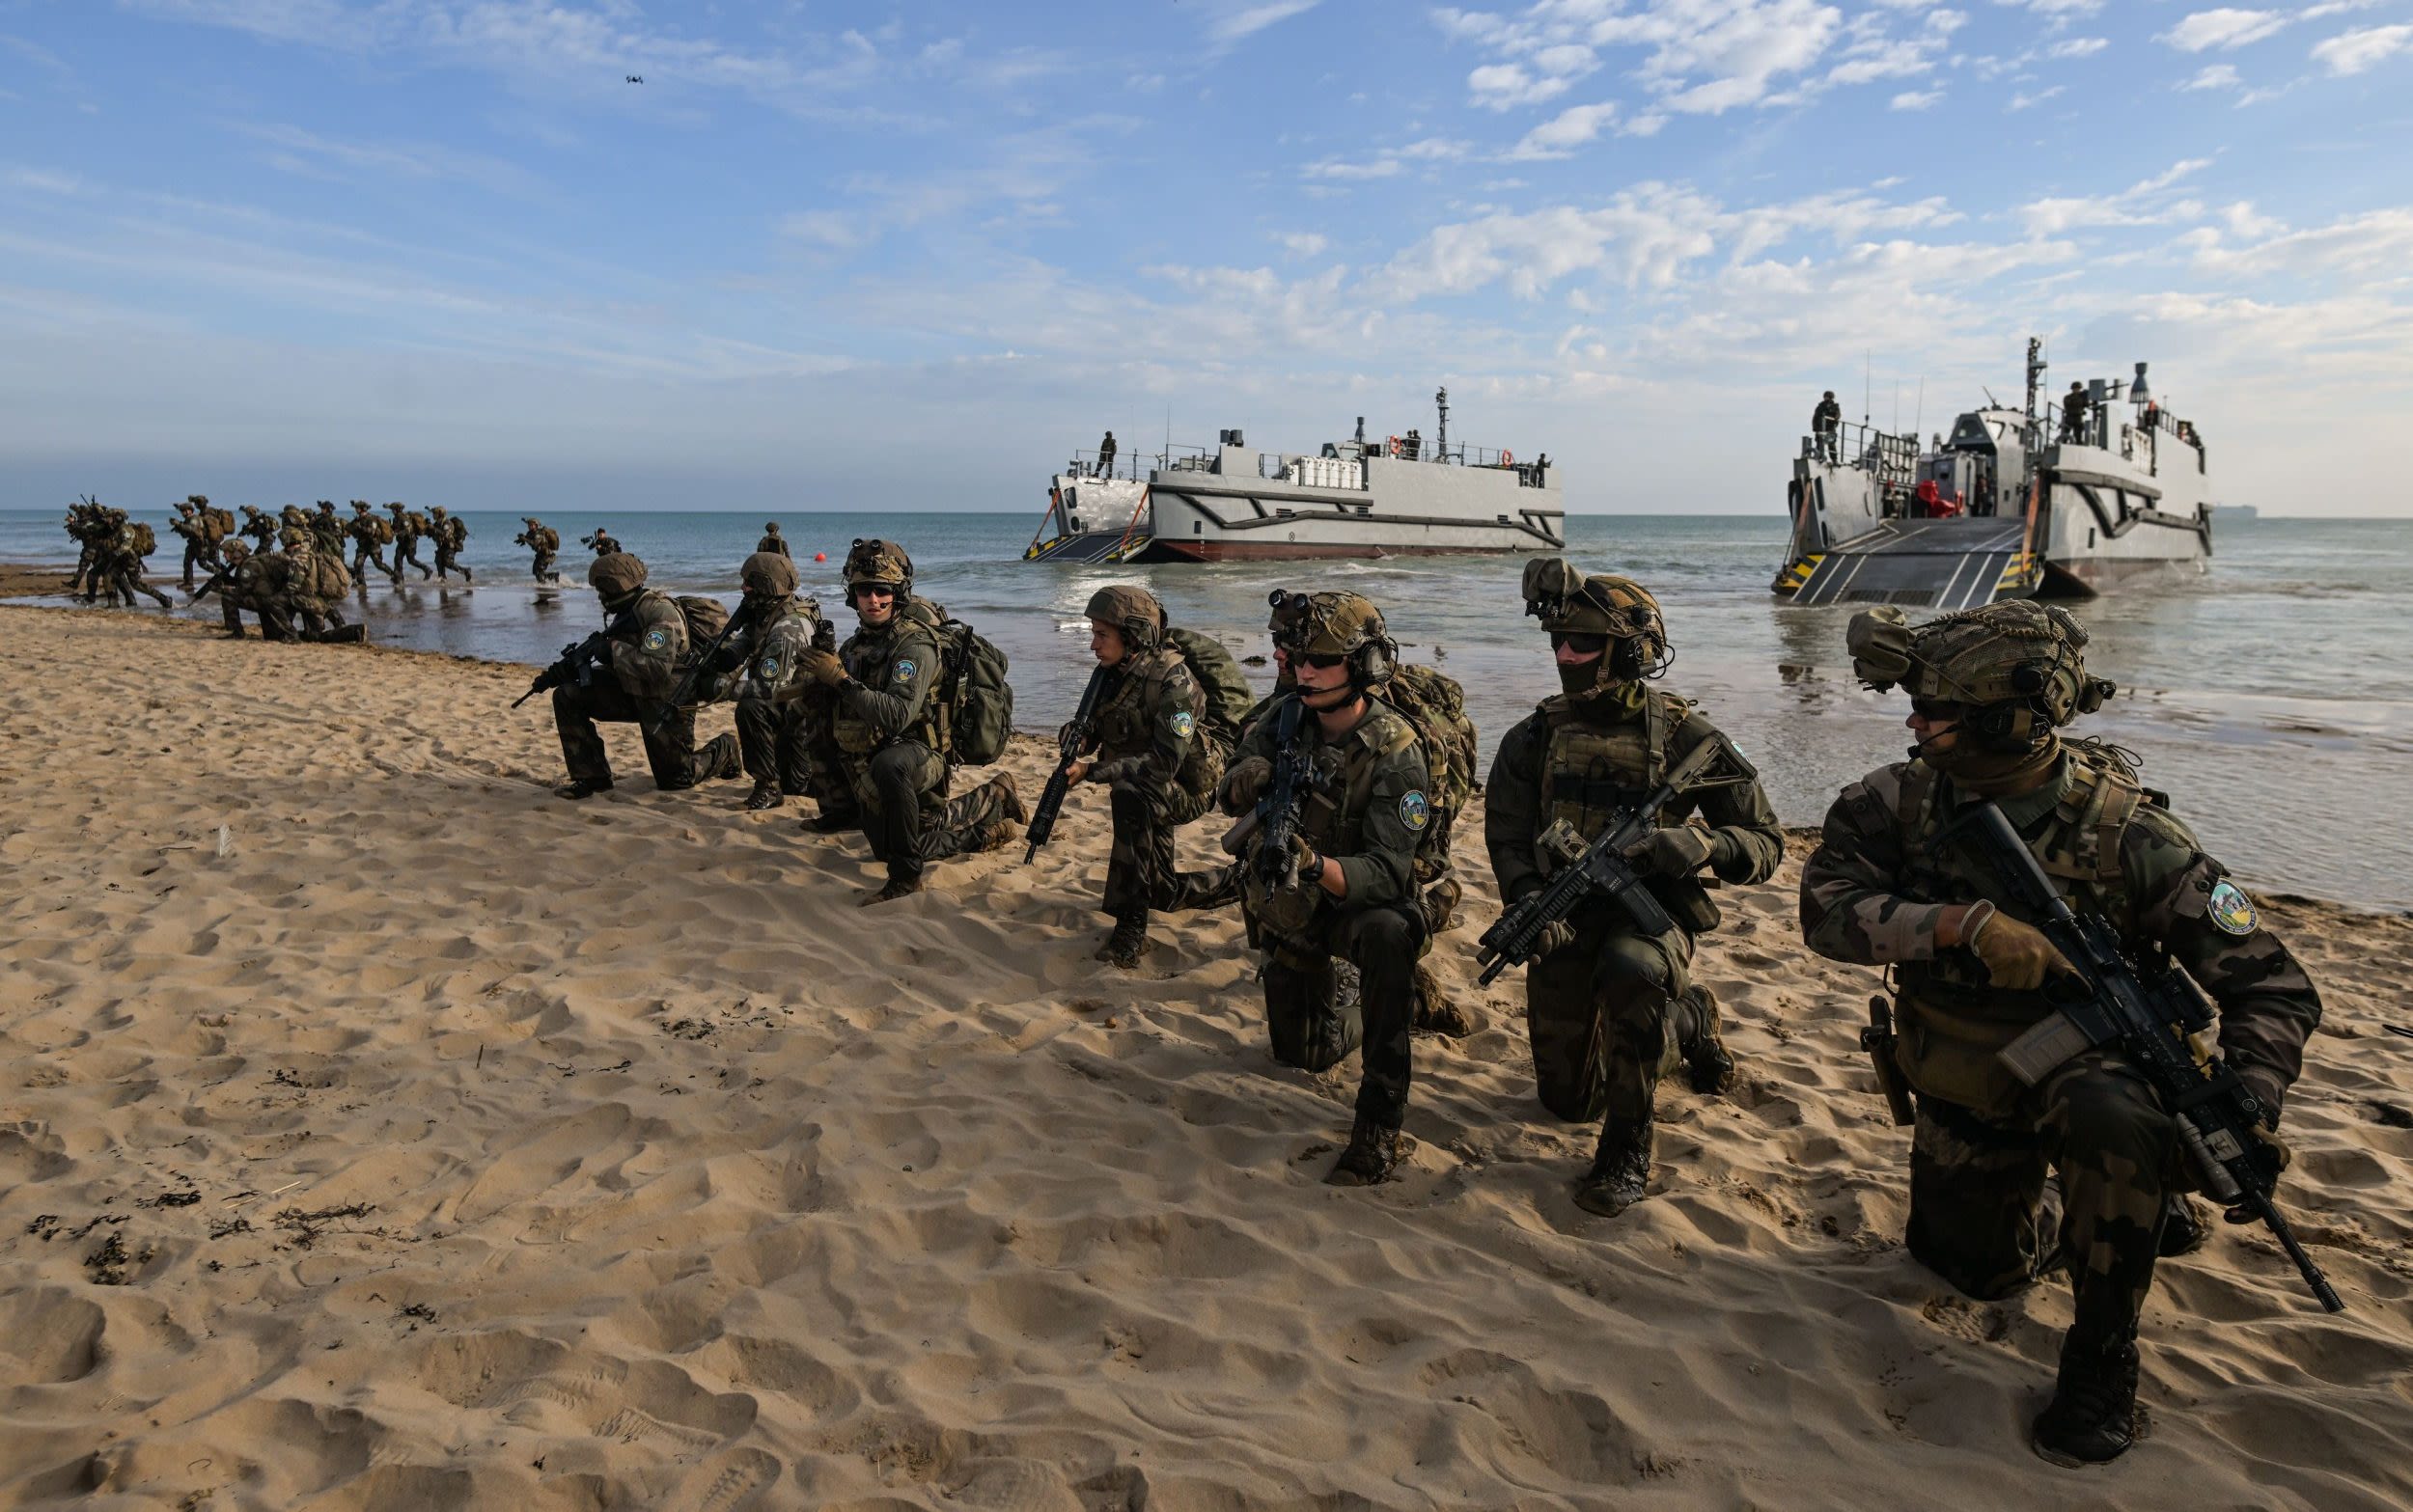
(2092, 816)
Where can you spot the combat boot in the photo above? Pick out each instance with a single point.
(1372, 1155)
(897, 886)
(1435, 1013)
(765, 795)
(2185, 1227)
(2091, 1419)
(1621, 1172)
(1711, 1069)
(583, 788)
(834, 821)
(1130, 941)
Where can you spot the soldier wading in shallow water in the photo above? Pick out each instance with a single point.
(1895, 884)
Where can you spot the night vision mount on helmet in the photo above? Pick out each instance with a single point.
(1337, 624)
(2019, 666)
(1568, 603)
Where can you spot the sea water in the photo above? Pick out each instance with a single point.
(2271, 696)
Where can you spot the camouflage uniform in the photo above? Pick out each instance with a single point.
(542, 542)
(451, 533)
(408, 526)
(780, 707)
(369, 533)
(1876, 892)
(126, 562)
(1154, 755)
(314, 586)
(326, 530)
(1611, 1009)
(647, 640)
(260, 529)
(772, 541)
(600, 543)
(199, 549)
(245, 580)
(1366, 812)
(888, 736)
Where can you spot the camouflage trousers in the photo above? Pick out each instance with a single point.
(1977, 1212)
(406, 555)
(776, 742)
(1314, 1027)
(670, 747)
(124, 582)
(900, 791)
(447, 561)
(541, 568)
(1139, 870)
(364, 554)
(1608, 1016)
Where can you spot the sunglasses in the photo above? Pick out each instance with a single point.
(1936, 711)
(1583, 642)
(1318, 660)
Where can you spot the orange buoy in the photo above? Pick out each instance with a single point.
(821, 556)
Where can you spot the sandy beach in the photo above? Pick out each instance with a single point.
(444, 1144)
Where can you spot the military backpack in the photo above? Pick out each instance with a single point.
(974, 692)
(1229, 697)
(1434, 704)
(145, 540)
(706, 618)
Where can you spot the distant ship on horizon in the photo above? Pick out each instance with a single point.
(1394, 496)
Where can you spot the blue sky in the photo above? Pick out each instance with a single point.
(835, 255)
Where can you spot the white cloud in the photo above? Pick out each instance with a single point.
(1302, 243)
(2226, 27)
(41, 181)
(1505, 86)
(1918, 99)
(2078, 47)
(2374, 243)
(1233, 26)
(1566, 131)
(2141, 204)
(1337, 169)
(2356, 51)
(2021, 100)
(2217, 76)
(2059, 11)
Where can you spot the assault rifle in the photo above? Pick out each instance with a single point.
(1277, 810)
(2147, 1015)
(575, 665)
(685, 690)
(1600, 869)
(1070, 742)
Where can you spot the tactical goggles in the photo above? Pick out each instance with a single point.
(1583, 641)
(1320, 660)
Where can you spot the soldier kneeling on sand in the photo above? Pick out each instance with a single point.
(1609, 1007)
(1894, 884)
(642, 653)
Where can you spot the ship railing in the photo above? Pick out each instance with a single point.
(1134, 466)
(1892, 459)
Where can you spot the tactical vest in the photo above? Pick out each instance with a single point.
(1953, 1022)
(869, 655)
(1590, 771)
(1333, 818)
(1125, 726)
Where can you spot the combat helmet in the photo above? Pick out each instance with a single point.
(1134, 611)
(1337, 624)
(292, 536)
(437, 511)
(879, 563)
(617, 576)
(2018, 666)
(1623, 612)
(768, 574)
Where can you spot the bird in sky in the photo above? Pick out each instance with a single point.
(636, 78)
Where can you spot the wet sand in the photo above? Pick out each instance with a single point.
(446, 1144)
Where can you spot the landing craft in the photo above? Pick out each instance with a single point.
(1390, 496)
(2100, 489)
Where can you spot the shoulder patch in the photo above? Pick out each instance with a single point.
(771, 667)
(905, 668)
(1415, 810)
(1183, 722)
(657, 639)
(2231, 910)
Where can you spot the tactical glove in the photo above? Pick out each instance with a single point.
(2016, 955)
(1245, 784)
(823, 666)
(1556, 935)
(1675, 852)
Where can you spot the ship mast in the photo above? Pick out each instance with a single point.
(1442, 398)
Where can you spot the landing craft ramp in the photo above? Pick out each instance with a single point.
(1952, 563)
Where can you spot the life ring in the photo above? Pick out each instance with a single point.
(1508, 459)
(1395, 446)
